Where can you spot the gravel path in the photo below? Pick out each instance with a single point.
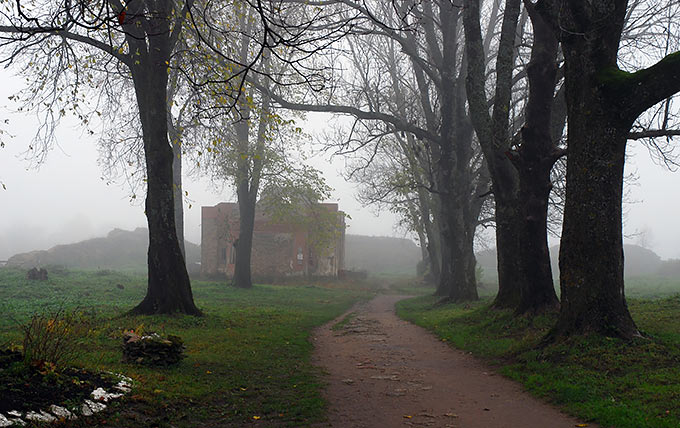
(385, 372)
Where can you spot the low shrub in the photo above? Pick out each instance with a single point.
(56, 338)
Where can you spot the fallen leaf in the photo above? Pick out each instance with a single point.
(256, 417)
(407, 416)
(581, 425)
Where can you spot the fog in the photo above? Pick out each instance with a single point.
(66, 199)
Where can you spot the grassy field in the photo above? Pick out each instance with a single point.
(638, 287)
(248, 358)
(608, 381)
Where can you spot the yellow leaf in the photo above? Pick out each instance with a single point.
(407, 416)
(256, 417)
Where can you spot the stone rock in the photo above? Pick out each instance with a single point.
(123, 387)
(89, 408)
(16, 418)
(4, 422)
(40, 417)
(100, 394)
(152, 349)
(61, 412)
(35, 274)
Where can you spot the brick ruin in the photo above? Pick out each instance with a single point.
(279, 249)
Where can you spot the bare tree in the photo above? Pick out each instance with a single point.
(428, 37)
(140, 39)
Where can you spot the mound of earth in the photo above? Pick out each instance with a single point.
(119, 250)
(638, 261)
(381, 254)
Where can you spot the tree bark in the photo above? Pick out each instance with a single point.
(169, 288)
(534, 161)
(602, 103)
(493, 135)
(453, 166)
(242, 268)
(178, 193)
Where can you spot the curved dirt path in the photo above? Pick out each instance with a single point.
(385, 372)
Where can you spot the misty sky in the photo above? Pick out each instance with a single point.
(66, 199)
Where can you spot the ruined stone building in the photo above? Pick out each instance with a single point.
(280, 249)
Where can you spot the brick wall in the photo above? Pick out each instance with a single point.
(278, 249)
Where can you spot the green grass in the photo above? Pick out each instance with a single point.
(609, 381)
(248, 358)
(639, 287)
(344, 321)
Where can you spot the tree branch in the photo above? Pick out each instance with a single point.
(71, 36)
(654, 133)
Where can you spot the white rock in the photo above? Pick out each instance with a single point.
(89, 408)
(123, 387)
(61, 412)
(4, 422)
(16, 420)
(100, 394)
(40, 417)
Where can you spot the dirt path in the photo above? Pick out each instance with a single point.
(385, 372)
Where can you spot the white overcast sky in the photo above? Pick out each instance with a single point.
(66, 200)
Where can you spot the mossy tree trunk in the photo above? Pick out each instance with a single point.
(602, 103)
(534, 161)
(493, 134)
(453, 169)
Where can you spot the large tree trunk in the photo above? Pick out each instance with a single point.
(244, 248)
(453, 165)
(602, 104)
(536, 157)
(445, 268)
(591, 252)
(508, 224)
(246, 205)
(537, 292)
(493, 134)
(460, 285)
(178, 193)
(169, 288)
